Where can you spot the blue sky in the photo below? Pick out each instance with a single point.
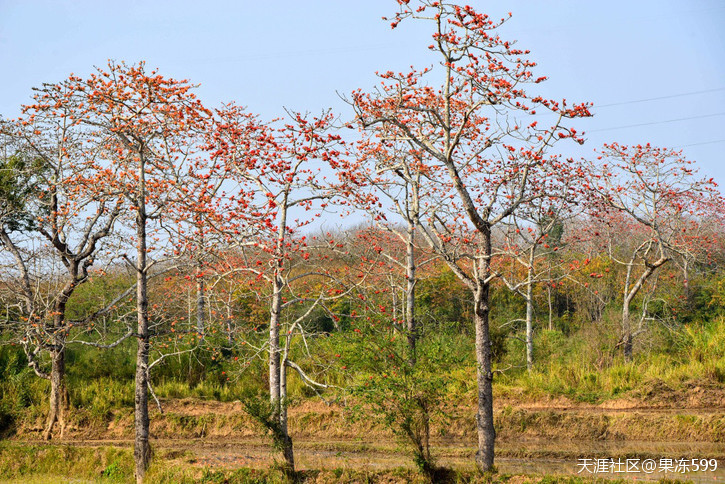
(655, 70)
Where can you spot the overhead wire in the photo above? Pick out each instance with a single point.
(656, 122)
(670, 96)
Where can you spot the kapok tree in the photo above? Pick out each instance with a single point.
(281, 188)
(533, 238)
(470, 128)
(390, 177)
(146, 125)
(701, 242)
(386, 347)
(657, 191)
(63, 194)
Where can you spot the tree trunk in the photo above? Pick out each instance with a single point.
(58, 393)
(278, 366)
(530, 312)
(410, 321)
(550, 301)
(200, 301)
(629, 295)
(230, 331)
(686, 284)
(394, 303)
(274, 349)
(142, 447)
(58, 389)
(529, 327)
(287, 447)
(626, 337)
(484, 376)
(278, 377)
(484, 369)
(626, 330)
(426, 436)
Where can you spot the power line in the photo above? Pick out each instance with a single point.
(702, 143)
(636, 101)
(660, 97)
(656, 122)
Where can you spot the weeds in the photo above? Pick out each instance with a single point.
(566, 366)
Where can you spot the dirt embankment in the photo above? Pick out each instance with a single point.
(657, 415)
(545, 436)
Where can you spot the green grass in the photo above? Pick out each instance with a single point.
(568, 367)
(41, 462)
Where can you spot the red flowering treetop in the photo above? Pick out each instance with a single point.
(478, 126)
(658, 189)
